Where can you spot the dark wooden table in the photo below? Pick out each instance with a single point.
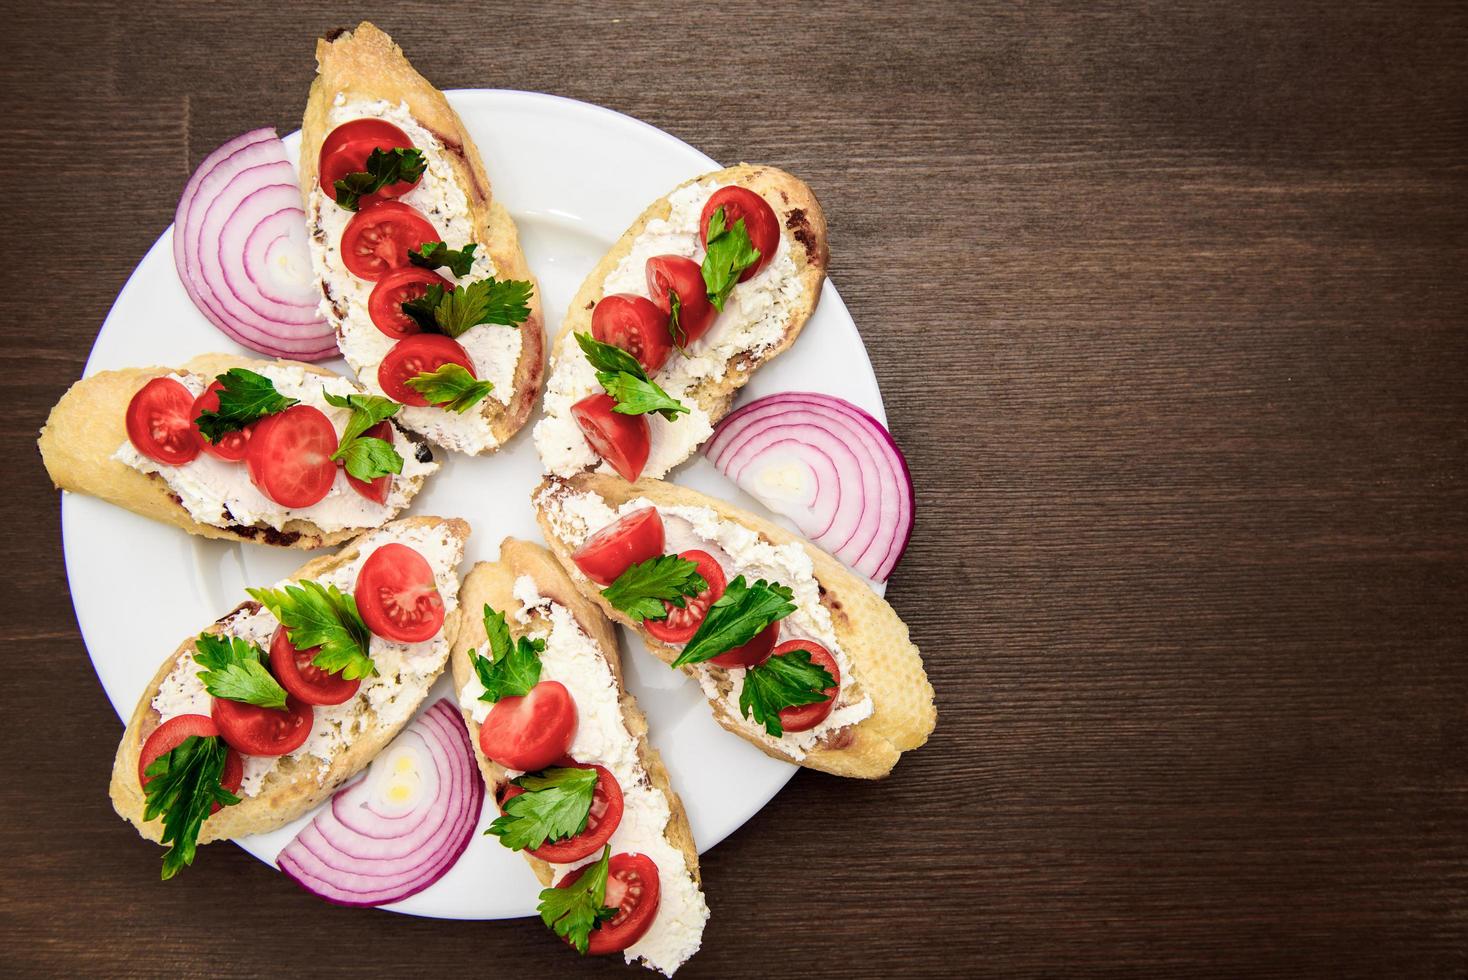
(1168, 306)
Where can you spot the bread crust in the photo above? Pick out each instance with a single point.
(886, 664)
(292, 788)
(90, 421)
(493, 584)
(366, 63)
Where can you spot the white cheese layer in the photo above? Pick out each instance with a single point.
(574, 659)
(494, 349)
(754, 319)
(219, 492)
(740, 551)
(405, 671)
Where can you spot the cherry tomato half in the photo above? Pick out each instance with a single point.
(376, 490)
(299, 676)
(681, 624)
(160, 424)
(753, 653)
(622, 440)
(530, 732)
(400, 286)
(601, 823)
(683, 276)
(421, 353)
(263, 731)
(346, 149)
(759, 221)
(607, 553)
(634, 891)
(379, 238)
(170, 735)
(398, 596)
(289, 456)
(232, 445)
(635, 324)
(804, 717)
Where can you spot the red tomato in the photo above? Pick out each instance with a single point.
(634, 891)
(400, 286)
(607, 553)
(376, 490)
(681, 624)
(635, 324)
(421, 353)
(622, 440)
(160, 423)
(530, 732)
(397, 595)
(759, 221)
(684, 277)
(232, 445)
(753, 653)
(289, 456)
(601, 823)
(170, 735)
(346, 149)
(379, 238)
(263, 731)
(804, 717)
(299, 676)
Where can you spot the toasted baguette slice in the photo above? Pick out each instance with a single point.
(563, 450)
(365, 64)
(493, 584)
(296, 785)
(885, 665)
(88, 425)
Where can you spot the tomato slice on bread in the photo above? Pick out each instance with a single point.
(530, 732)
(680, 274)
(421, 353)
(160, 424)
(232, 445)
(759, 221)
(397, 595)
(347, 147)
(380, 489)
(254, 730)
(753, 653)
(400, 286)
(625, 441)
(681, 624)
(379, 238)
(636, 325)
(606, 554)
(289, 456)
(804, 717)
(299, 676)
(170, 735)
(601, 822)
(633, 889)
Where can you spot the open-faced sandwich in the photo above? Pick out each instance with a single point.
(794, 652)
(563, 749)
(709, 283)
(226, 447)
(258, 718)
(420, 268)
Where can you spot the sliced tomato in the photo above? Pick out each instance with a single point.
(759, 221)
(400, 286)
(289, 456)
(160, 424)
(232, 445)
(421, 353)
(170, 735)
(299, 676)
(681, 275)
(681, 624)
(635, 324)
(634, 538)
(379, 489)
(804, 717)
(625, 441)
(398, 596)
(530, 732)
(634, 891)
(263, 731)
(601, 823)
(379, 238)
(753, 653)
(346, 149)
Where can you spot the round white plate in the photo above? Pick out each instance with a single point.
(574, 176)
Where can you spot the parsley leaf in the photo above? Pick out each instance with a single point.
(729, 253)
(244, 398)
(234, 669)
(432, 255)
(736, 617)
(365, 457)
(384, 167)
(183, 786)
(626, 381)
(573, 910)
(555, 806)
(641, 589)
(316, 615)
(451, 387)
(512, 667)
(783, 681)
(453, 311)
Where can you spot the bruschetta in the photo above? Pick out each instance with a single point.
(712, 281)
(258, 718)
(794, 652)
(539, 679)
(272, 463)
(420, 267)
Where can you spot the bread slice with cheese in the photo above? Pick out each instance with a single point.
(539, 600)
(86, 429)
(345, 737)
(762, 318)
(882, 670)
(362, 73)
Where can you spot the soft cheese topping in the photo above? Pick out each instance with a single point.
(754, 319)
(494, 349)
(219, 493)
(405, 671)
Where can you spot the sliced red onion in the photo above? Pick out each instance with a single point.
(239, 243)
(828, 466)
(401, 826)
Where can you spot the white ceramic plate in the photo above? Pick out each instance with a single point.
(574, 176)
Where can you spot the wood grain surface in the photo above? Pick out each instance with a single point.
(1167, 302)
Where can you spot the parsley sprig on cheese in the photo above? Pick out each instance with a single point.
(365, 457)
(384, 167)
(625, 380)
(453, 311)
(244, 399)
(234, 669)
(433, 255)
(512, 667)
(450, 387)
(556, 805)
(316, 615)
(783, 681)
(736, 617)
(573, 911)
(642, 588)
(730, 252)
(183, 786)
